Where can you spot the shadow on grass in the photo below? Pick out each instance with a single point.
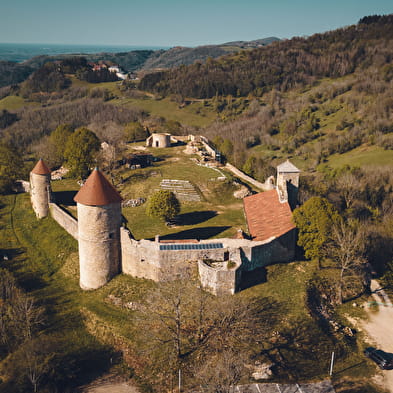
(194, 218)
(195, 233)
(350, 367)
(64, 197)
(252, 278)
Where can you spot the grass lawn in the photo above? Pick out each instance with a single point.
(12, 103)
(194, 114)
(363, 156)
(44, 259)
(218, 214)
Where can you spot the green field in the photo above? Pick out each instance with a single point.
(194, 114)
(363, 156)
(12, 103)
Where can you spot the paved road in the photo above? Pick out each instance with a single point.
(380, 328)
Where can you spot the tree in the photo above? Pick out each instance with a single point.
(314, 221)
(80, 151)
(346, 247)
(58, 139)
(227, 148)
(164, 205)
(249, 166)
(349, 188)
(11, 167)
(134, 132)
(209, 338)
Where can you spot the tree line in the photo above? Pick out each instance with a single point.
(282, 65)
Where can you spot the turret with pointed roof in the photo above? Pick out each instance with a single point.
(99, 220)
(97, 191)
(40, 189)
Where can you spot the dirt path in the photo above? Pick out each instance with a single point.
(112, 387)
(380, 329)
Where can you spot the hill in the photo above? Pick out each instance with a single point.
(182, 55)
(11, 72)
(283, 65)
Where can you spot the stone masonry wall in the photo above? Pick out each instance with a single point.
(65, 220)
(217, 281)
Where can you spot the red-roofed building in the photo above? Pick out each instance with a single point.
(266, 216)
(269, 215)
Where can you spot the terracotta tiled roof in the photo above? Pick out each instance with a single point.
(266, 216)
(41, 168)
(97, 191)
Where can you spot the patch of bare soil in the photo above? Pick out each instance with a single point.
(109, 384)
(112, 387)
(379, 330)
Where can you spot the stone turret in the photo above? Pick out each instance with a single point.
(288, 183)
(99, 220)
(40, 189)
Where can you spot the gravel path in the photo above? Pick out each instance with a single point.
(380, 328)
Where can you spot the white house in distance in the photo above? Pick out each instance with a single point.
(119, 73)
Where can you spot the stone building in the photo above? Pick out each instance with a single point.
(99, 220)
(40, 189)
(159, 140)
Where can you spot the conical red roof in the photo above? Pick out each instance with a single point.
(97, 191)
(41, 168)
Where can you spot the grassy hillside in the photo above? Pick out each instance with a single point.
(47, 267)
(13, 103)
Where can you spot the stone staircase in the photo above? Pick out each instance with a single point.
(183, 189)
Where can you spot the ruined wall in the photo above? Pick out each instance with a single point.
(99, 244)
(64, 219)
(218, 281)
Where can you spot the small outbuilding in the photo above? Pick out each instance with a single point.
(159, 140)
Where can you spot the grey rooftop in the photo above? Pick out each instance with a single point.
(287, 167)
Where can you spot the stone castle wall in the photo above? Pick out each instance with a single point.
(144, 259)
(65, 220)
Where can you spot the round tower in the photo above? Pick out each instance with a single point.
(40, 189)
(99, 220)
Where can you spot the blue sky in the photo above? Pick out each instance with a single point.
(175, 22)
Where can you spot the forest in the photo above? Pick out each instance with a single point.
(283, 65)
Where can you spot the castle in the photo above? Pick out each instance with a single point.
(224, 265)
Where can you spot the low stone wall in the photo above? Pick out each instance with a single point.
(64, 219)
(218, 280)
(241, 175)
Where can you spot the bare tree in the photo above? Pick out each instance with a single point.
(349, 188)
(346, 249)
(183, 327)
